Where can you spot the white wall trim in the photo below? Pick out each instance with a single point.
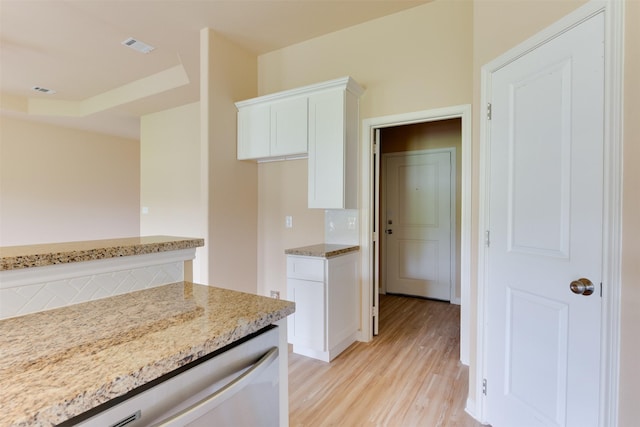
(342, 83)
(613, 110)
(478, 410)
(612, 264)
(366, 212)
(470, 407)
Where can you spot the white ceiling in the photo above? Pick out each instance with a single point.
(74, 46)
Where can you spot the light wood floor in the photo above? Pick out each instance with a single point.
(407, 376)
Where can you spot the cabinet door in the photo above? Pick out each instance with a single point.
(327, 150)
(343, 298)
(307, 324)
(253, 132)
(289, 127)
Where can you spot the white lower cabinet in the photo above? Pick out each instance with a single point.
(307, 328)
(325, 290)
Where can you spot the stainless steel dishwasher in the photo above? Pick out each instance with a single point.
(235, 388)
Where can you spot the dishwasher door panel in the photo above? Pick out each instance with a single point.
(255, 403)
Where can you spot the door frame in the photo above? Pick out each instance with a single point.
(612, 219)
(453, 265)
(369, 174)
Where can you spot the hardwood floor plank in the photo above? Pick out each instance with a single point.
(409, 375)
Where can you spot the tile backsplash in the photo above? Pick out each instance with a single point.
(48, 294)
(342, 226)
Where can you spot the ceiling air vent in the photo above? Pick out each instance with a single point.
(138, 45)
(43, 90)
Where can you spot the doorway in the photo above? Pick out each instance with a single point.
(419, 210)
(370, 230)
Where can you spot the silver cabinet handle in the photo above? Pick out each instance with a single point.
(222, 394)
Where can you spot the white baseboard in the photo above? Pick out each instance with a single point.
(326, 356)
(471, 409)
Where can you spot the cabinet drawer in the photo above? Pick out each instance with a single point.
(305, 268)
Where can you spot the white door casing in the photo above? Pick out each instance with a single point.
(516, 243)
(376, 236)
(419, 223)
(369, 214)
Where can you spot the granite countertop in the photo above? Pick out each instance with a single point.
(322, 250)
(60, 363)
(16, 257)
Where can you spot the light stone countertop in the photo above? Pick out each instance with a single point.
(322, 250)
(60, 363)
(16, 257)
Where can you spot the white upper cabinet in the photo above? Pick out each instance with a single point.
(277, 129)
(333, 150)
(289, 127)
(319, 121)
(254, 132)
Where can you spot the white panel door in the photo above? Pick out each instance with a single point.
(545, 231)
(418, 224)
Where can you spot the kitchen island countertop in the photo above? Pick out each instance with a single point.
(18, 257)
(322, 250)
(60, 363)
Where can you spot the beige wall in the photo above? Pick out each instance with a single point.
(192, 183)
(428, 136)
(59, 184)
(231, 75)
(282, 189)
(170, 176)
(630, 373)
(411, 61)
(428, 57)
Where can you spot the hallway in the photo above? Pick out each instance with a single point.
(410, 375)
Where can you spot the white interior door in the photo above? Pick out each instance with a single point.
(376, 234)
(418, 223)
(545, 232)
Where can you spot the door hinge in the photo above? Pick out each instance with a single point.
(374, 311)
(484, 386)
(488, 111)
(487, 240)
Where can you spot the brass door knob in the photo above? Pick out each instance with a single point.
(582, 287)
